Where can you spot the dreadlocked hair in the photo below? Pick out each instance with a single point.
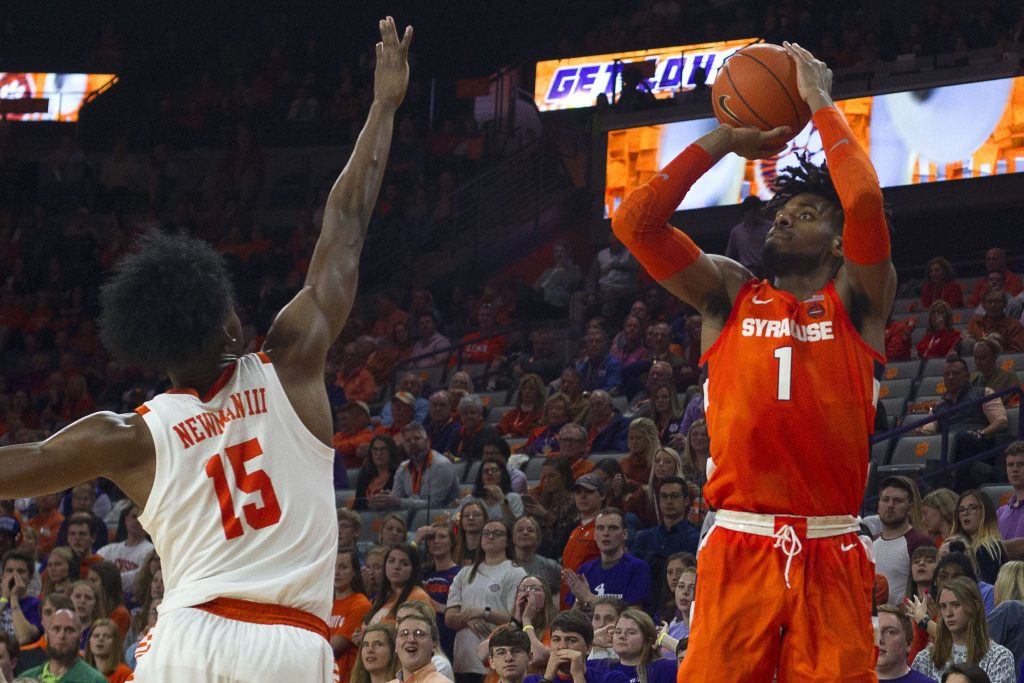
(166, 301)
(806, 177)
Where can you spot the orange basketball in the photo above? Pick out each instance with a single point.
(756, 88)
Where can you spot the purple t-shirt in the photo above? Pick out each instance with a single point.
(909, 677)
(1011, 518)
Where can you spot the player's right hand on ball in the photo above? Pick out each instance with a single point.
(751, 143)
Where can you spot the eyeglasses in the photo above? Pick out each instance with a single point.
(494, 533)
(532, 589)
(418, 634)
(502, 652)
(968, 508)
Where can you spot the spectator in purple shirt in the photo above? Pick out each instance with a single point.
(1011, 515)
(19, 612)
(600, 370)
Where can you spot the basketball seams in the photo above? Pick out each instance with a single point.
(796, 110)
(742, 98)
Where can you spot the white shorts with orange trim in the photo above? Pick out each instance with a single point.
(193, 646)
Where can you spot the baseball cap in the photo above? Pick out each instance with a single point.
(357, 404)
(405, 397)
(9, 525)
(590, 481)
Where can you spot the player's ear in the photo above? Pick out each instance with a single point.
(837, 246)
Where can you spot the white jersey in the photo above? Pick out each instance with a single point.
(242, 504)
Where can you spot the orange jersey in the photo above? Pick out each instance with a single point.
(790, 404)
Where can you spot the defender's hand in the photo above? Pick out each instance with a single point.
(391, 76)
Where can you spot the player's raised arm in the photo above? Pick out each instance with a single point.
(708, 283)
(308, 325)
(868, 268)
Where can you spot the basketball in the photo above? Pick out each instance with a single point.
(756, 88)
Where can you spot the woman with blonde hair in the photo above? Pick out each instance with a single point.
(61, 570)
(987, 372)
(938, 508)
(942, 338)
(544, 437)
(642, 505)
(87, 600)
(393, 529)
(377, 661)
(963, 636)
(643, 443)
(636, 650)
(667, 414)
(529, 408)
(1010, 582)
(696, 457)
(104, 651)
(976, 521)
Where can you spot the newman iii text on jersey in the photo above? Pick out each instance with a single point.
(211, 423)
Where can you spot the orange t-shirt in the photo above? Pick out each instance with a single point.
(382, 615)
(346, 617)
(47, 527)
(790, 405)
(123, 618)
(579, 548)
(121, 674)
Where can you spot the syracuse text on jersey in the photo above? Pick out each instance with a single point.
(211, 423)
(787, 327)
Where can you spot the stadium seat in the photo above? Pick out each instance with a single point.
(930, 386)
(342, 497)
(492, 398)
(917, 316)
(906, 305)
(620, 403)
(432, 378)
(353, 475)
(1012, 362)
(474, 370)
(598, 457)
(997, 492)
(917, 334)
(895, 388)
(1013, 418)
(902, 369)
(372, 520)
(471, 473)
(916, 450)
(894, 407)
(921, 405)
(498, 412)
(532, 469)
(426, 516)
(962, 315)
(933, 367)
(880, 452)
(460, 469)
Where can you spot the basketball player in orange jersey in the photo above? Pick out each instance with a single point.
(784, 585)
(233, 466)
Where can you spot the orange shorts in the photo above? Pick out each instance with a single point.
(748, 626)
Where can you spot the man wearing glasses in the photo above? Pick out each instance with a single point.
(572, 446)
(415, 641)
(509, 654)
(675, 533)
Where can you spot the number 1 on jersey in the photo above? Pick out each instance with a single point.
(247, 482)
(784, 354)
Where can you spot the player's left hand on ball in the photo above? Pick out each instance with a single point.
(391, 76)
(813, 77)
(751, 143)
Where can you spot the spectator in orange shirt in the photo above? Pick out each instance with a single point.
(350, 608)
(589, 494)
(484, 345)
(996, 321)
(529, 410)
(941, 284)
(388, 315)
(995, 259)
(572, 443)
(355, 433)
(105, 651)
(897, 339)
(46, 522)
(395, 349)
(353, 378)
(941, 337)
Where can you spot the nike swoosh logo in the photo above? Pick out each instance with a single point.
(723, 104)
(844, 141)
(661, 175)
(759, 301)
(847, 548)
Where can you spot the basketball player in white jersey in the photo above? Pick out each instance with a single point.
(232, 467)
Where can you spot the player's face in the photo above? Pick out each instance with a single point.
(415, 645)
(953, 612)
(398, 568)
(609, 533)
(894, 506)
(375, 651)
(685, 589)
(664, 465)
(344, 572)
(802, 234)
(892, 641)
(971, 514)
(1015, 470)
(922, 569)
(604, 615)
(628, 642)
(101, 641)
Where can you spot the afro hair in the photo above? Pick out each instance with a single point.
(806, 177)
(166, 301)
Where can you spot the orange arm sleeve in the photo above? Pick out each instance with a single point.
(865, 230)
(641, 221)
